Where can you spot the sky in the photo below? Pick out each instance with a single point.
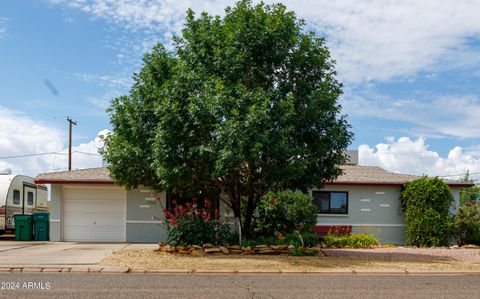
(410, 72)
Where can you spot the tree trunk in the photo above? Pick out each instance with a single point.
(247, 230)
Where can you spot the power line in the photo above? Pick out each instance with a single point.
(32, 155)
(86, 153)
(462, 174)
(45, 154)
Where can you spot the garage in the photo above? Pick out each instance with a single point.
(94, 214)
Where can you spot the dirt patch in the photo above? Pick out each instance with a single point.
(154, 260)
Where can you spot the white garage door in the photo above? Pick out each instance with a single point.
(94, 214)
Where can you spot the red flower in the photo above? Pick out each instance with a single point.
(181, 209)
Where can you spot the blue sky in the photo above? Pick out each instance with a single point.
(411, 74)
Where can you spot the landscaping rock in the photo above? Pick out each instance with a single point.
(197, 252)
(261, 247)
(181, 248)
(471, 246)
(248, 248)
(184, 251)
(169, 249)
(279, 247)
(224, 250)
(197, 247)
(291, 247)
(234, 247)
(236, 251)
(212, 250)
(208, 245)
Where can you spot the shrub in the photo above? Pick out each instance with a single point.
(294, 239)
(192, 225)
(351, 241)
(285, 212)
(467, 224)
(426, 203)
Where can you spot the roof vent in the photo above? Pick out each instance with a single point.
(352, 157)
(6, 171)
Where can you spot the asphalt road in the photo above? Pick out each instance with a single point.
(73, 285)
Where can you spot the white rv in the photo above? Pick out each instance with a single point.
(19, 195)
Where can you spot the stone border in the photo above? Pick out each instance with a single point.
(126, 270)
(208, 249)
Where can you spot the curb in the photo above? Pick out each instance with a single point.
(126, 270)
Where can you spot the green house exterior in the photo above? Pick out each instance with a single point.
(86, 206)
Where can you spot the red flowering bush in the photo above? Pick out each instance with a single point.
(194, 225)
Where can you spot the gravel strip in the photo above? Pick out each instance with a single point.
(380, 260)
(405, 254)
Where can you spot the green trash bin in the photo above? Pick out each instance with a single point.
(41, 226)
(23, 227)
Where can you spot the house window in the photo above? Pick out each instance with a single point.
(30, 198)
(16, 197)
(331, 202)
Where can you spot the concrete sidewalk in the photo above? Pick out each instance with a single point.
(17, 253)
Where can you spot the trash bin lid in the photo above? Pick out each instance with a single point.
(22, 216)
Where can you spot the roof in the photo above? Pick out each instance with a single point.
(352, 175)
(99, 175)
(374, 175)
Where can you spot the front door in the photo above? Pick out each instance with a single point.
(29, 197)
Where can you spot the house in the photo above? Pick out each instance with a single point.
(88, 206)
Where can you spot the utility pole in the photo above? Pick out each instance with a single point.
(70, 123)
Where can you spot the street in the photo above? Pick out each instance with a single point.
(72, 285)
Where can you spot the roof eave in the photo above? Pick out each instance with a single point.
(72, 182)
(393, 184)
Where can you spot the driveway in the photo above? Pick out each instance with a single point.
(55, 253)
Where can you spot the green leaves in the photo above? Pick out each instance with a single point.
(426, 204)
(244, 104)
(467, 224)
(284, 212)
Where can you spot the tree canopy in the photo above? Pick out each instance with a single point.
(241, 105)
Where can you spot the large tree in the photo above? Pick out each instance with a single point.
(241, 105)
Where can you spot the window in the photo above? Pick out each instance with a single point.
(331, 202)
(16, 197)
(30, 198)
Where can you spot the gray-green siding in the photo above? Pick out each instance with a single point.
(374, 209)
(143, 217)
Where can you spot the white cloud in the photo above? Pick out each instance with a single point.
(371, 40)
(3, 26)
(103, 102)
(455, 116)
(413, 156)
(110, 81)
(21, 135)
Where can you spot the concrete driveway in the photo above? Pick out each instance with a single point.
(55, 253)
